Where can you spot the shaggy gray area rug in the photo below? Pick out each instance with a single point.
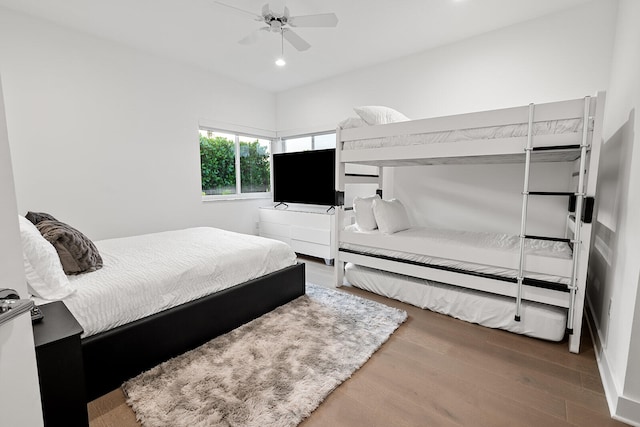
(273, 371)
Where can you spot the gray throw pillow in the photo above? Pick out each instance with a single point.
(36, 217)
(77, 253)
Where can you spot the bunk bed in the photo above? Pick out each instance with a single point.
(423, 267)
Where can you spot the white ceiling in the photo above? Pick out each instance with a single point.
(204, 33)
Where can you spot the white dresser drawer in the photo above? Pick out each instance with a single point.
(275, 229)
(307, 232)
(313, 235)
(313, 249)
(274, 237)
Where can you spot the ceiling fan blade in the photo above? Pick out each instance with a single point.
(295, 40)
(265, 10)
(237, 9)
(320, 20)
(254, 36)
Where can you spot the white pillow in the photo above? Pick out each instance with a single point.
(391, 216)
(45, 277)
(363, 208)
(352, 122)
(376, 115)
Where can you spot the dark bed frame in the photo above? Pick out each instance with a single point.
(114, 356)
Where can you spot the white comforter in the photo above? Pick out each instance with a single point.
(475, 134)
(143, 275)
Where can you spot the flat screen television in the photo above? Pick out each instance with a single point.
(305, 177)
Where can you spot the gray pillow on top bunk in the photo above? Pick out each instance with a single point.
(391, 216)
(363, 209)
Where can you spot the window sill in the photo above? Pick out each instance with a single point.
(229, 197)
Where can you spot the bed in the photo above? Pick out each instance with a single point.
(427, 266)
(160, 294)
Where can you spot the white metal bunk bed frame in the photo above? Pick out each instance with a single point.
(585, 154)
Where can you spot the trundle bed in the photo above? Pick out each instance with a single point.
(161, 294)
(533, 285)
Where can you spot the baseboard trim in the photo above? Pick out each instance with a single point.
(621, 407)
(628, 411)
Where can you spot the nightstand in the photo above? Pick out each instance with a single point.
(60, 371)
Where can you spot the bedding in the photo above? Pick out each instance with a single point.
(36, 217)
(379, 115)
(363, 210)
(490, 310)
(483, 133)
(77, 253)
(43, 270)
(144, 275)
(499, 250)
(391, 216)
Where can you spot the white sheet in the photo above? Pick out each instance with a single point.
(499, 249)
(143, 275)
(475, 134)
(493, 311)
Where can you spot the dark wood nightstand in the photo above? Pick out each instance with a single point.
(60, 371)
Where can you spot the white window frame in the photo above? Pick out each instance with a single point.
(311, 135)
(238, 131)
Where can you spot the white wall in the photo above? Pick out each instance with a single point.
(557, 57)
(19, 390)
(614, 265)
(104, 137)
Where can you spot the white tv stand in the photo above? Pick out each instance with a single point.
(308, 230)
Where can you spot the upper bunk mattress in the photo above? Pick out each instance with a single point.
(550, 127)
(480, 252)
(143, 275)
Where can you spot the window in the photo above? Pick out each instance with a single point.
(318, 141)
(234, 165)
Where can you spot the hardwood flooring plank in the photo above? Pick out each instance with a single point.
(464, 401)
(492, 383)
(374, 390)
(111, 410)
(580, 416)
(340, 409)
(592, 383)
(550, 351)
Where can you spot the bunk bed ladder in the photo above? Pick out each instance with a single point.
(580, 198)
(525, 202)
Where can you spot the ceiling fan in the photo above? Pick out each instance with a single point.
(282, 23)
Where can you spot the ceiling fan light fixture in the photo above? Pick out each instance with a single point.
(280, 62)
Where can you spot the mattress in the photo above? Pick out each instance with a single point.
(143, 275)
(481, 252)
(551, 127)
(493, 311)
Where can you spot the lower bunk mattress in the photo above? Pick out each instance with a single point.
(144, 275)
(490, 310)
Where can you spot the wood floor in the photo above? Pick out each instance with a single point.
(440, 371)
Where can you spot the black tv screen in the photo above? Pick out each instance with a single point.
(304, 177)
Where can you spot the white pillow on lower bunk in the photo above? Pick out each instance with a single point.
(43, 270)
(363, 208)
(391, 216)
